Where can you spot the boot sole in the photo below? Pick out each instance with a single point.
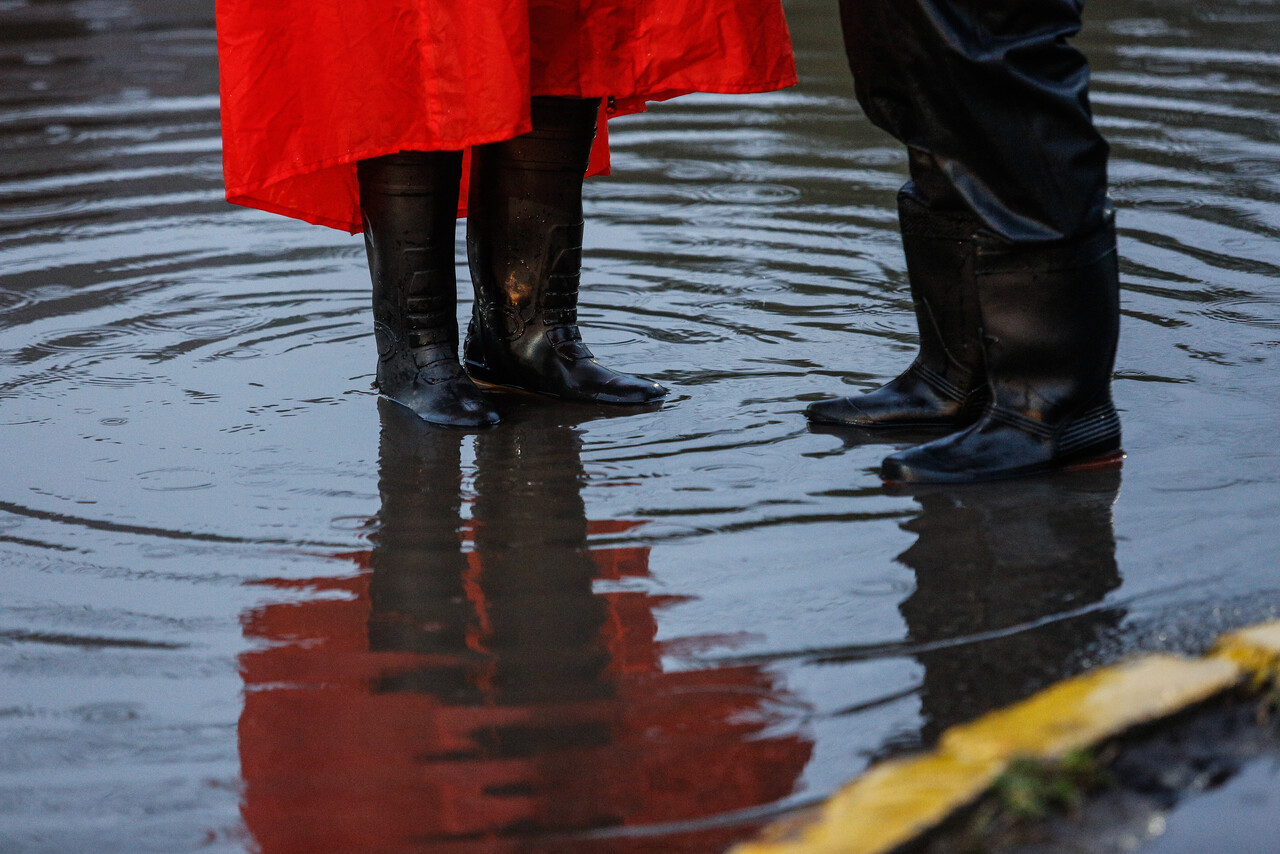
(1110, 459)
(891, 425)
(453, 425)
(489, 384)
(1106, 461)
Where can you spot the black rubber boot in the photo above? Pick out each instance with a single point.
(524, 240)
(1050, 319)
(409, 202)
(945, 386)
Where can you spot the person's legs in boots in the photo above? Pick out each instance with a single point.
(945, 386)
(995, 95)
(409, 202)
(1050, 321)
(524, 241)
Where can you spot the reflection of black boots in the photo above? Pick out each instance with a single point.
(544, 620)
(409, 202)
(524, 237)
(417, 588)
(945, 385)
(1010, 584)
(1050, 321)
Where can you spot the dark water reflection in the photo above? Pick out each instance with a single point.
(1017, 574)
(474, 693)
(245, 609)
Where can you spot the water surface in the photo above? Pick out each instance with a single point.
(247, 608)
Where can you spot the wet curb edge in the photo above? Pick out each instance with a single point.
(894, 802)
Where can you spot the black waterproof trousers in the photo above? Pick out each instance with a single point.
(992, 104)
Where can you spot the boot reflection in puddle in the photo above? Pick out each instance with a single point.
(475, 694)
(1009, 578)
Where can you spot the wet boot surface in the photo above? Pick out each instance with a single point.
(1050, 321)
(945, 387)
(524, 240)
(409, 201)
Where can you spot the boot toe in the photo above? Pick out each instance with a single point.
(456, 403)
(919, 465)
(985, 451)
(840, 411)
(625, 389)
(463, 406)
(475, 413)
(900, 469)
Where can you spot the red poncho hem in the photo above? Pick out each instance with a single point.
(307, 90)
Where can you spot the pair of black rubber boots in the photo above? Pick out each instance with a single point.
(1017, 345)
(524, 245)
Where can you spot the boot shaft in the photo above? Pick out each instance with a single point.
(1050, 322)
(409, 204)
(524, 226)
(524, 243)
(945, 385)
(939, 250)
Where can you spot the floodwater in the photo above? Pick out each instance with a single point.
(1238, 816)
(248, 608)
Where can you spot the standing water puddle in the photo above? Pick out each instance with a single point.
(247, 608)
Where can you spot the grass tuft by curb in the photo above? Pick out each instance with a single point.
(1028, 792)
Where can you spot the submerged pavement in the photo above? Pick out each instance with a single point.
(246, 607)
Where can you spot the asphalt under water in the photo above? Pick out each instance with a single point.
(247, 607)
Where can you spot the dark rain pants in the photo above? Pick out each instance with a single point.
(992, 104)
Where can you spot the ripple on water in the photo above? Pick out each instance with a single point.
(108, 713)
(204, 324)
(120, 380)
(731, 475)
(1140, 28)
(881, 587)
(182, 44)
(752, 194)
(756, 269)
(27, 212)
(237, 353)
(176, 479)
(355, 524)
(1258, 311)
(727, 171)
(105, 339)
(11, 301)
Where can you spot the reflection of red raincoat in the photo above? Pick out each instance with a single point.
(309, 87)
(333, 763)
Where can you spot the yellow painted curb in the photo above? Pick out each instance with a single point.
(1256, 649)
(896, 801)
(893, 802)
(1085, 710)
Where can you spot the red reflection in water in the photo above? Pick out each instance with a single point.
(488, 714)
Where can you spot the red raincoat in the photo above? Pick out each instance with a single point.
(309, 87)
